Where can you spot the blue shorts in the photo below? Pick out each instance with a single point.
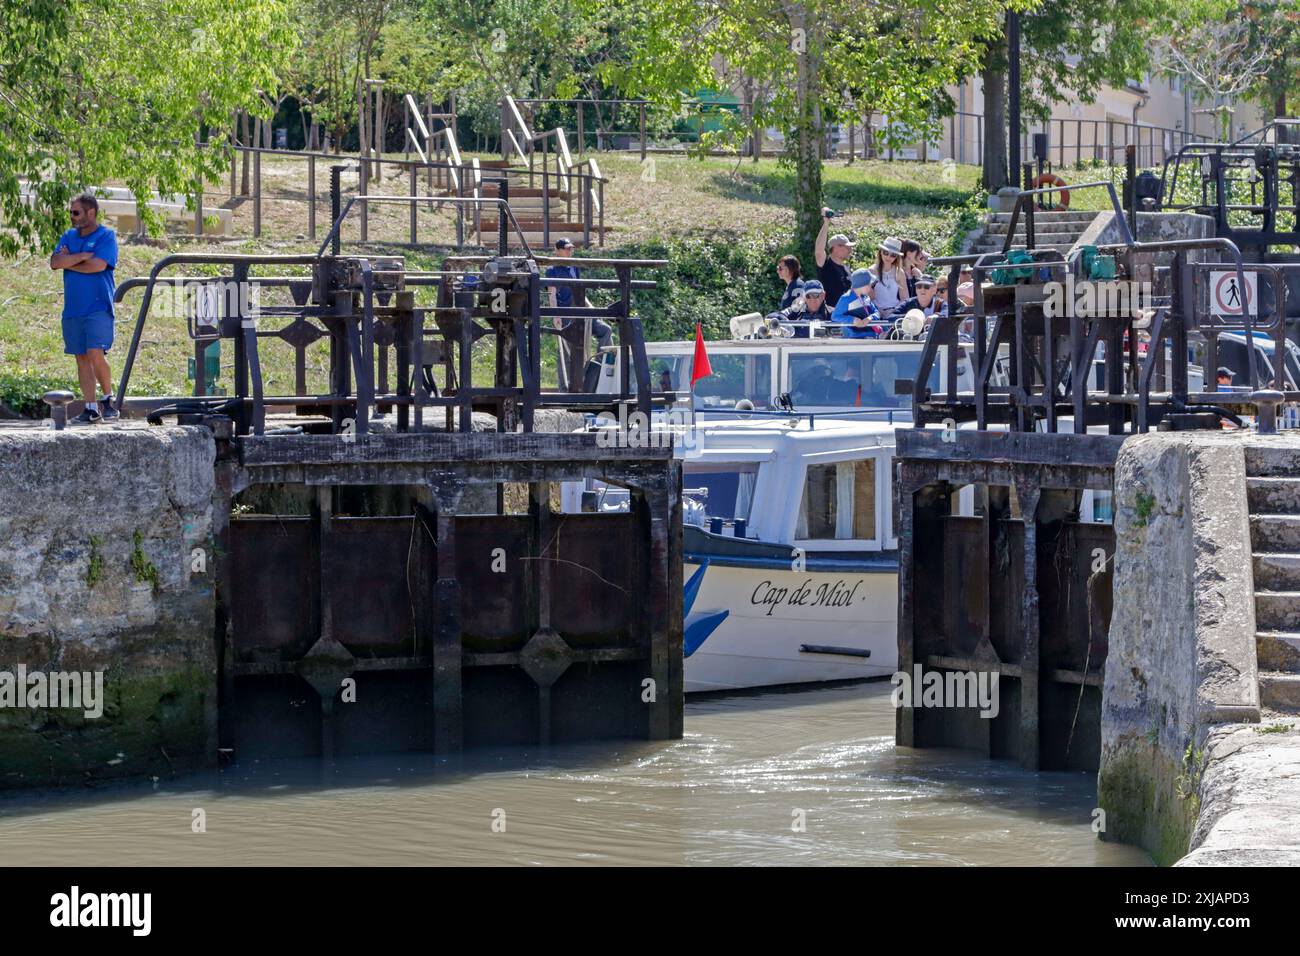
(94, 331)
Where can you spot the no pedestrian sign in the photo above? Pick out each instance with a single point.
(1226, 294)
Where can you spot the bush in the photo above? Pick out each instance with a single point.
(21, 391)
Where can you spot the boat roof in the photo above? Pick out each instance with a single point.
(760, 344)
(763, 439)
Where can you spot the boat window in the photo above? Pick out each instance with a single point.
(734, 377)
(835, 377)
(839, 501)
(722, 491)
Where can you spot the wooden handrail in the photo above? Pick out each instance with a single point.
(519, 119)
(564, 146)
(419, 121)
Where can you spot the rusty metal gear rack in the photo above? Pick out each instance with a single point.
(366, 306)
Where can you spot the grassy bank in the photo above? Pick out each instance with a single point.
(719, 224)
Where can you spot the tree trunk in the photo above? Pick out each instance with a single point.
(808, 157)
(995, 119)
(1279, 112)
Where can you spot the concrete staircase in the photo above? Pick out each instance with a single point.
(1058, 229)
(1273, 492)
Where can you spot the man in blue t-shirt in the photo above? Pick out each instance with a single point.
(87, 254)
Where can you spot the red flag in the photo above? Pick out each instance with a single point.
(700, 366)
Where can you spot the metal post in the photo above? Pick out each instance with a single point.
(1130, 187)
(582, 138)
(503, 193)
(257, 193)
(642, 119)
(546, 209)
(198, 211)
(311, 195)
(1013, 83)
(365, 206)
(336, 205)
(411, 169)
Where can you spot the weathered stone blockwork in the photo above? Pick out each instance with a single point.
(1182, 748)
(99, 572)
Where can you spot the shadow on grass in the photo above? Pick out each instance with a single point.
(776, 187)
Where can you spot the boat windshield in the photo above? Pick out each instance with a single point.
(836, 377)
(735, 376)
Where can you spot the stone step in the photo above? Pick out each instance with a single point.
(1055, 215)
(1277, 610)
(1274, 533)
(1040, 228)
(981, 248)
(1069, 238)
(1264, 461)
(1278, 651)
(1274, 495)
(1277, 572)
(1279, 691)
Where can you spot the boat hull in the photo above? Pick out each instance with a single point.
(788, 627)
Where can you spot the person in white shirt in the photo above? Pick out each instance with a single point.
(889, 282)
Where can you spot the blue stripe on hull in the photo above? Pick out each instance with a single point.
(865, 565)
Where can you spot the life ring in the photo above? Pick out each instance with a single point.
(1051, 179)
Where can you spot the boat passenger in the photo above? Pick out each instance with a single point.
(926, 299)
(787, 267)
(889, 281)
(811, 308)
(856, 311)
(914, 261)
(832, 257)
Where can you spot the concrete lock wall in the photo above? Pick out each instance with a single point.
(106, 568)
(1184, 765)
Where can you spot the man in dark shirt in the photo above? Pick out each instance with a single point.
(833, 260)
(562, 298)
(811, 307)
(926, 299)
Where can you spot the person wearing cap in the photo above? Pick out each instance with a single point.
(856, 311)
(889, 281)
(562, 298)
(811, 307)
(832, 260)
(1225, 376)
(926, 299)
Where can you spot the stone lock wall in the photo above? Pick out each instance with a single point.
(1182, 664)
(107, 564)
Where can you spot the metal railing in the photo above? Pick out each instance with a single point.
(1070, 141)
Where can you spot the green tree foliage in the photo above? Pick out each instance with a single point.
(1069, 50)
(818, 59)
(99, 90)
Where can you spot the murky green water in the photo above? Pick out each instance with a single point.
(750, 769)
